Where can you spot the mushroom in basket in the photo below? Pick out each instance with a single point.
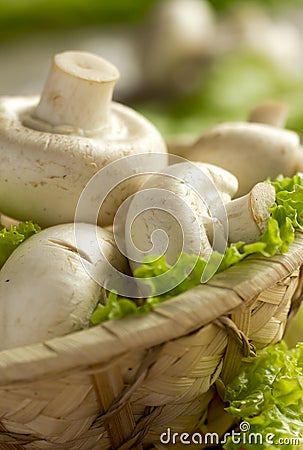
(188, 208)
(46, 285)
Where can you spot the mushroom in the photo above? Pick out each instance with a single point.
(182, 210)
(52, 146)
(176, 44)
(270, 112)
(248, 215)
(46, 285)
(165, 217)
(169, 214)
(250, 151)
(7, 222)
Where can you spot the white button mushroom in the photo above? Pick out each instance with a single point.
(168, 216)
(45, 288)
(51, 146)
(251, 151)
(183, 210)
(248, 215)
(176, 44)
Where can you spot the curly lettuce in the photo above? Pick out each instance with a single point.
(267, 395)
(10, 239)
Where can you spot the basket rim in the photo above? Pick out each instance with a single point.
(180, 315)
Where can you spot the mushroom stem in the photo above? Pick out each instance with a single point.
(271, 113)
(7, 222)
(298, 159)
(248, 215)
(78, 91)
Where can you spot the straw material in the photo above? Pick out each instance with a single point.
(122, 384)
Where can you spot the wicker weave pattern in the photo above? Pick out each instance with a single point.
(61, 409)
(122, 384)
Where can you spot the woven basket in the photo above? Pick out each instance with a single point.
(122, 384)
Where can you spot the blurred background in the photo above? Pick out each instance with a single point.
(185, 64)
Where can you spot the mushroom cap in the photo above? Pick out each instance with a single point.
(44, 173)
(167, 216)
(46, 290)
(226, 183)
(250, 151)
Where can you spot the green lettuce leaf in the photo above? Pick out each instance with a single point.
(10, 239)
(115, 308)
(267, 394)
